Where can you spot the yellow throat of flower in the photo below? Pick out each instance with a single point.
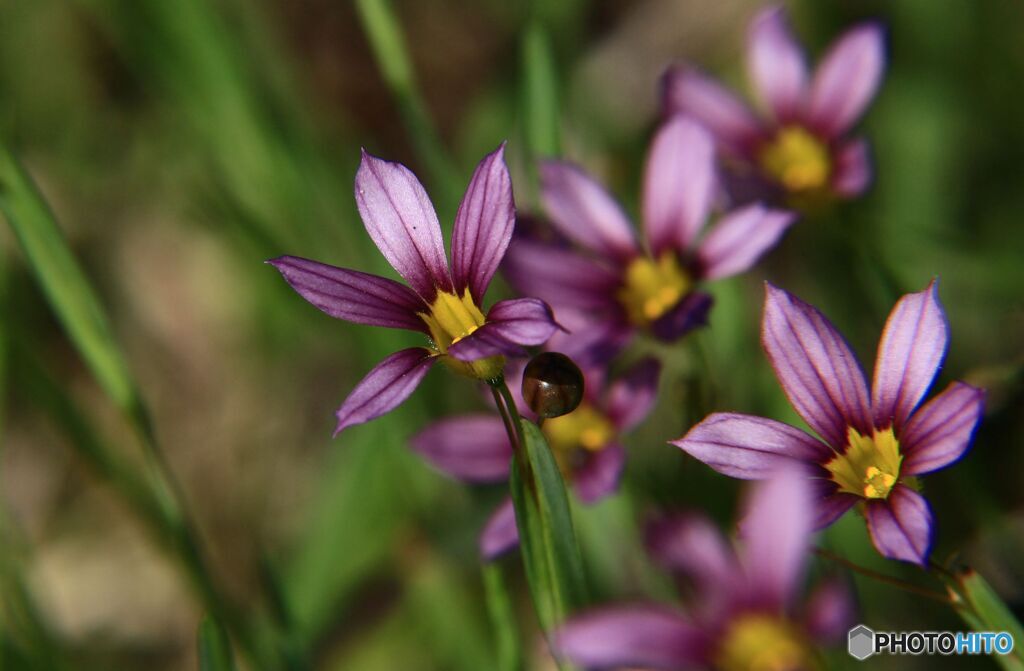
(796, 159)
(764, 643)
(870, 467)
(651, 288)
(451, 319)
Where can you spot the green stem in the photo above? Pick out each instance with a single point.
(887, 579)
(509, 413)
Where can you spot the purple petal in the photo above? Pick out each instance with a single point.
(599, 474)
(852, 173)
(356, 297)
(748, 447)
(830, 612)
(847, 79)
(474, 448)
(401, 220)
(776, 64)
(940, 432)
(815, 366)
(688, 314)
(385, 387)
(685, 91)
(483, 225)
(740, 239)
(679, 181)
(777, 527)
(644, 635)
(509, 325)
(910, 352)
(560, 276)
(591, 338)
(692, 547)
(901, 526)
(829, 503)
(631, 397)
(500, 534)
(584, 211)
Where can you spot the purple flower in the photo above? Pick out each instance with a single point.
(616, 285)
(875, 445)
(800, 146)
(442, 303)
(585, 442)
(746, 617)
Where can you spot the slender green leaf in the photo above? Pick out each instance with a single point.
(214, 647)
(541, 116)
(65, 285)
(508, 644)
(983, 610)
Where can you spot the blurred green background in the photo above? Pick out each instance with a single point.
(180, 143)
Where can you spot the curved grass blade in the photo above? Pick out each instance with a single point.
(982, 609)
(214, 647)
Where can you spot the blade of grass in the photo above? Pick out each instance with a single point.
(214, 647)
(507, 641)
(541, 116)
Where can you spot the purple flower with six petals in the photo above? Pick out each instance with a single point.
(585, 442)
(441, 302)
(747, 616)
(800, 147)
(618, 286)
(875, 445)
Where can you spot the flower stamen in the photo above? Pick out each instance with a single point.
(451, 319)
(652, 288)
(870, 466)
(796, 159)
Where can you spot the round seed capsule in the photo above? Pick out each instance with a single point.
(552, 385)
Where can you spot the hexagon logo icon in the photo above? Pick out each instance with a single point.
(861, 642)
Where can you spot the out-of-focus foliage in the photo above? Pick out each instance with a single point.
(179, 144)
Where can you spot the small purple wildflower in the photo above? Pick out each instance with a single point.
(800, 146)
(875, 446)
(746, 616)
(585, 442)
(616, 286)
(444, 303)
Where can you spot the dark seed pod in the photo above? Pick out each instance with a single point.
(552, 385)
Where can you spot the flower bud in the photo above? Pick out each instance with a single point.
(552, 385)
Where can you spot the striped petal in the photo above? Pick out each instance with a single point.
(473, 448)
(385, 387)
(483, 226)
(584, 212)
(510, 325)
(686, 91)
(401, 221)
(911, 349)
(740, 239)
(679, 182)
(559, 276)
(815, 366)
(846, 79)
(940, 432)
(356, 297)
(901, 525)
(776, 64)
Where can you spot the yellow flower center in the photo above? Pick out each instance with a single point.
(870, 467)
(796, 159)
(763, 643)
(451, 319)
(572, 436)
(651, 288)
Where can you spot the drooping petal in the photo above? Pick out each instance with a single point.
(740, 239)
(510, 325)
(852, 172)
(474, 448)
(830, 612)
(815, 366)
(693, 548)
(686, 91)
(679, 182)
(748, 447)
(385, 387)
(846, 79)
(940, 432)
(688, 314)
(401, 220)
(776, 64)
(584, 212)
(483, 226)
(829, 503)
(356, 297)
(631, 397)
(500, 534)
(901, 526)
(559, 276)
(643, 635)
(910, 352)
(777, 528)
(598, 476)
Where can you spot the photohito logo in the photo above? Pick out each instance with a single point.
(862, 642)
